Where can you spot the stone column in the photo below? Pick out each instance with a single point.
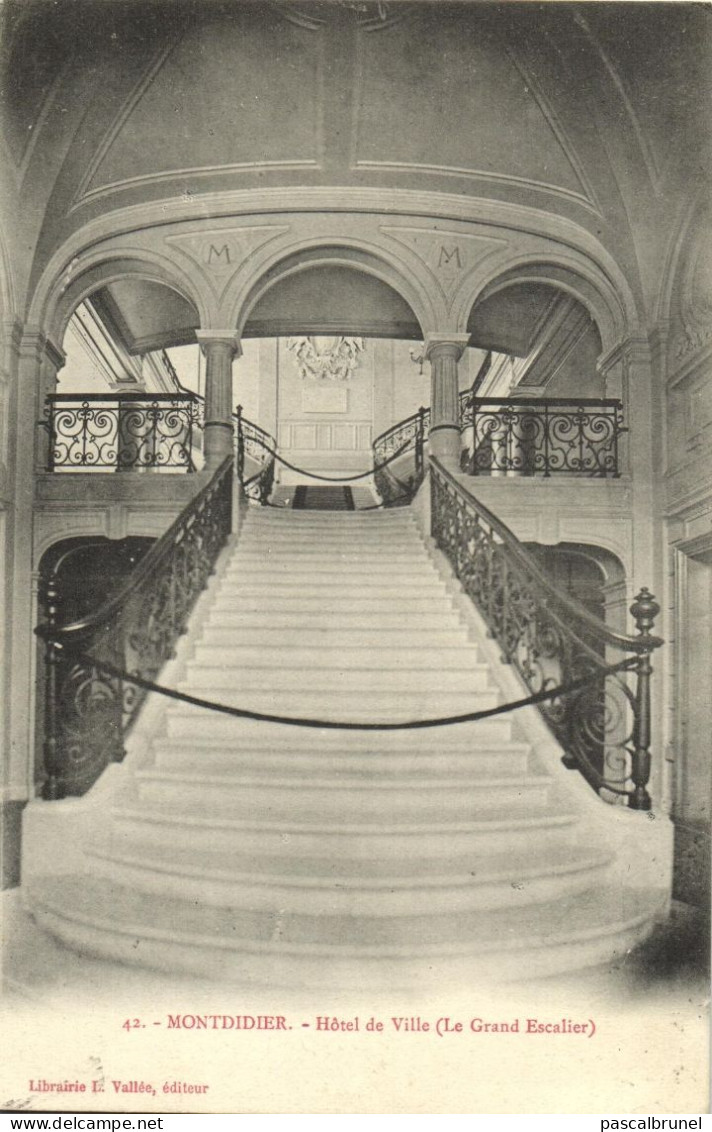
(52, 360)
(219, 348)
(132, 445)
(29, 364)
(443, 352)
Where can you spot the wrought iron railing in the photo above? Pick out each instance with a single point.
(603, 722)
(541, 436)
(253, 441)
(121, 432)
(87, 713)
(392, 486)
(413, 428)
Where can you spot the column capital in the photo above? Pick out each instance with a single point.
(631, 351)
(36, 345)
(227, 338)
(445, 346)
(54, 355)
(12, 331)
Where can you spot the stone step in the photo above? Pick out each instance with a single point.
(353, 705)
(184, 721)
(337, 620)
(331, 755)
(335, 581)
(340, 799)
(411, 952)
(296, 669)
(407, 608)
(317, 887)
(384, 555)
(329, 596)
(332, 656)
(220, 632)
(331, 520)
(364, 533)
(323, 570)
(281, 553)
(141, 828)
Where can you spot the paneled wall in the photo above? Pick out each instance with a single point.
(688, 503)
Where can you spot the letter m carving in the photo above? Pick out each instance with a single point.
(450, 258)
(218, 256)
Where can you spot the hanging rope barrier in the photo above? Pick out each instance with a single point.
(340, 725)
(333, 479)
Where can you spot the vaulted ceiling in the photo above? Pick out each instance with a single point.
(591, 111)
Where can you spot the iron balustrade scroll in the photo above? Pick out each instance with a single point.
(253, 441)
(87, 713)
(122, 432)
(541, 436)
(393, 490)
(414, 427)
(603, 725)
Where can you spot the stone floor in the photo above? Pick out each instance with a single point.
(672, 966)
(66, 1015)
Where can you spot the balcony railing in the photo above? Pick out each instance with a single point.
(546, 437)
(122, 432)
(522, 436)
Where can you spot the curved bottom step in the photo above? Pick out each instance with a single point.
(264, 949)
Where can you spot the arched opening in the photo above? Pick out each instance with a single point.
(594, 578)
(329, 361)
(121, 403)
(76, 576)
(540, 406)
(543, 341)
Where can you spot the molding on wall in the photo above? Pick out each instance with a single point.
(691, 505)
(143, 179)
(568, 149)
(483, 175)
(647, 152)
(38, 124)
(124, 112)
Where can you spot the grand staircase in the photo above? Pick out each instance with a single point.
(266, 853)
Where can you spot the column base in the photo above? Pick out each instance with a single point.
(444, 442)
(218, 443)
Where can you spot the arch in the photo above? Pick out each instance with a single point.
(84, 276)
(609, 564)
(613, 313)
(349, 254)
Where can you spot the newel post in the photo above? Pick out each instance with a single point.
(420, 442)
(240, 446)
(644, 610)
